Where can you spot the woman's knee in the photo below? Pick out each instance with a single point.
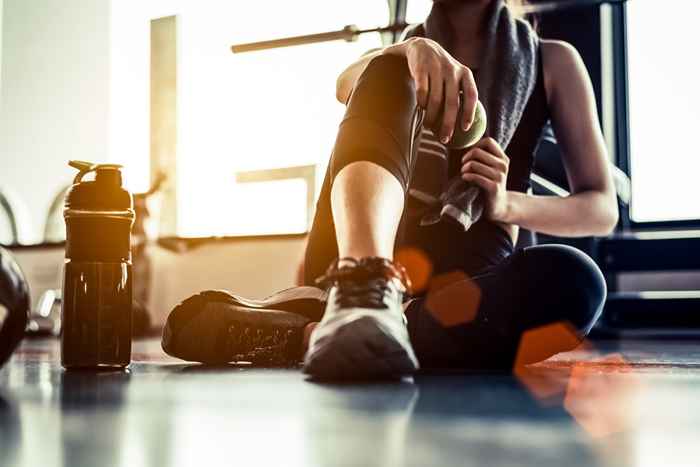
(570, 283)
(385, 93)
(385, 72)
(380, 121)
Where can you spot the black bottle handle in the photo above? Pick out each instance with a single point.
(87, 167)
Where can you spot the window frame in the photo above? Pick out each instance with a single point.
(622, 121)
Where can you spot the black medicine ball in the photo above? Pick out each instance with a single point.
(14, 304)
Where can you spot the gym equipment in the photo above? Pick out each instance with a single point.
(97, 286)
(350, 32)
(15, 218)
(14, 304)
(8, 222)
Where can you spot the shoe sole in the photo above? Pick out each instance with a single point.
(305, 301)
(359, 350)
(206, 330)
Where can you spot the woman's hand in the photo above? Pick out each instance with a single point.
(486, 165)
(436, 75)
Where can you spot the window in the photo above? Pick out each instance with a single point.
(243, 113)
(417, 10)
(664, 110)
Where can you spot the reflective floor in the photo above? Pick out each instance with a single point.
(637, 404)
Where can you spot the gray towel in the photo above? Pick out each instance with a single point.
(506, 78)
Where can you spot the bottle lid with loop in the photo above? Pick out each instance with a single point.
(85, 168)
(105, 192)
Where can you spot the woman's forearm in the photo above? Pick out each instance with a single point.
(587, 213)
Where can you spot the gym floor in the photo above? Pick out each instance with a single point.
(610, 404)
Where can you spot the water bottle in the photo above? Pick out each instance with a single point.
(97, 290)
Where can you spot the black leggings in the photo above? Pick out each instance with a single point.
(528, 289)
(534, 287)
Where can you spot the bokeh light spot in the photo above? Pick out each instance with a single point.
(539, 344)
(600, 394)
(418, 267)
(453, 299)
(547, 385)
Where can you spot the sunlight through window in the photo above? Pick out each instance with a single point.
(417, 10)
(664, 100)
(253, 111)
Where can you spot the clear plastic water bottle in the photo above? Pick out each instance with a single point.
(97, 289)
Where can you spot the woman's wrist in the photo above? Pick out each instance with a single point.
(510, 215)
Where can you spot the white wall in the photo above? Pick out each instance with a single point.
(55, 95)
(252, 268)
(1, 8)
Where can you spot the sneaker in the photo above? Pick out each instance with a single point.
(216, 327)
(363, 333)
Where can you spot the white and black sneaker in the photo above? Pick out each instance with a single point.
(216, 327)
(363, 333)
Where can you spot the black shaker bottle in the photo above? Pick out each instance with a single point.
(97, 290)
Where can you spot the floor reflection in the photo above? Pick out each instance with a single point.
(496, 420)
(600, 410)
(366, 424)
(10, 431)
(457, 419)
(92, 422)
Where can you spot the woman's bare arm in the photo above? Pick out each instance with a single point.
(591, 209)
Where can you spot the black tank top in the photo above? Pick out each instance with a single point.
(485, 244)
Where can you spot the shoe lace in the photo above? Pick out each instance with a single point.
(364, 282)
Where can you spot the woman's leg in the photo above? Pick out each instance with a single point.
(363, 331)
(367, 202)
(534, 287)
(362, 197)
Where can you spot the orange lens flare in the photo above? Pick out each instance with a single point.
(453, 299)
(600, 394)
(418, 267)
(539, 344)
(547, 385)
